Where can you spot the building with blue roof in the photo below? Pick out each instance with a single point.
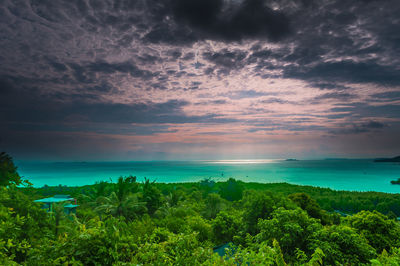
(68, 206)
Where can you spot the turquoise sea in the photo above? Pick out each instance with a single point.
(346, 174)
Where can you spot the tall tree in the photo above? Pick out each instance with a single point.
(8, 171)
(122, 201)
(152, 196)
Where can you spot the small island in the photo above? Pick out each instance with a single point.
(395, 182)
(388, 160)
(291, 160)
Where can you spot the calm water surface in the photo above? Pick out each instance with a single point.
(358, 175)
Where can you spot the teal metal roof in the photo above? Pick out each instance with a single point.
(223, 249)
(70, 206)
(56, 198)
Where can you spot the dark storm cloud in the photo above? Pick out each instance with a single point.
(249, 19)
(314, 29)
(183, 21)
(344, 42)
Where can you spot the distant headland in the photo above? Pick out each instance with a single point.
(395, 182)
(388, 160)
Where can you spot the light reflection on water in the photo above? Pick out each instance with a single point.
(250, 161)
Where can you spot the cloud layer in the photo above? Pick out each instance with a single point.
(199, 79)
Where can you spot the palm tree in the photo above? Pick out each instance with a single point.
(214, 204)
(123, 201)
(151, 195)
(128, 205)
(173, 198)
(98, 190)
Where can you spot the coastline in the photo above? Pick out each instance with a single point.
(348, 175)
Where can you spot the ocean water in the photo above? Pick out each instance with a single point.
(352, 175)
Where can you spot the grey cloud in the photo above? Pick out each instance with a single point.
(250, 19)
(86, 72)
(49, 111)
(390, 95)
(335, 31)
(354, 128)
(58, 66)
(373, 124)
(159, 86)
(342, 96)
(347, 71)
(174, 54)
(149, 59)
(122, 67)
(226, 59)
(209, 71)
(165, 34)
(287, 126)
(276, 100)
(246, 94)
(46, 107)
(217, 102)
(366, 110)
(196, 83)
(328, 86)
(257, 56)
(188, 56)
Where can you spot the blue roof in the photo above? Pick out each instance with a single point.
(223, 249)
(70, 206)
(56, 198)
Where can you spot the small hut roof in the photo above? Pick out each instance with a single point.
(56, 198)
(70, 206)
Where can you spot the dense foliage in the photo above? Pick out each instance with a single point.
(130, 223)
(8, 171)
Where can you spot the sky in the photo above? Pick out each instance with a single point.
(199, 79)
